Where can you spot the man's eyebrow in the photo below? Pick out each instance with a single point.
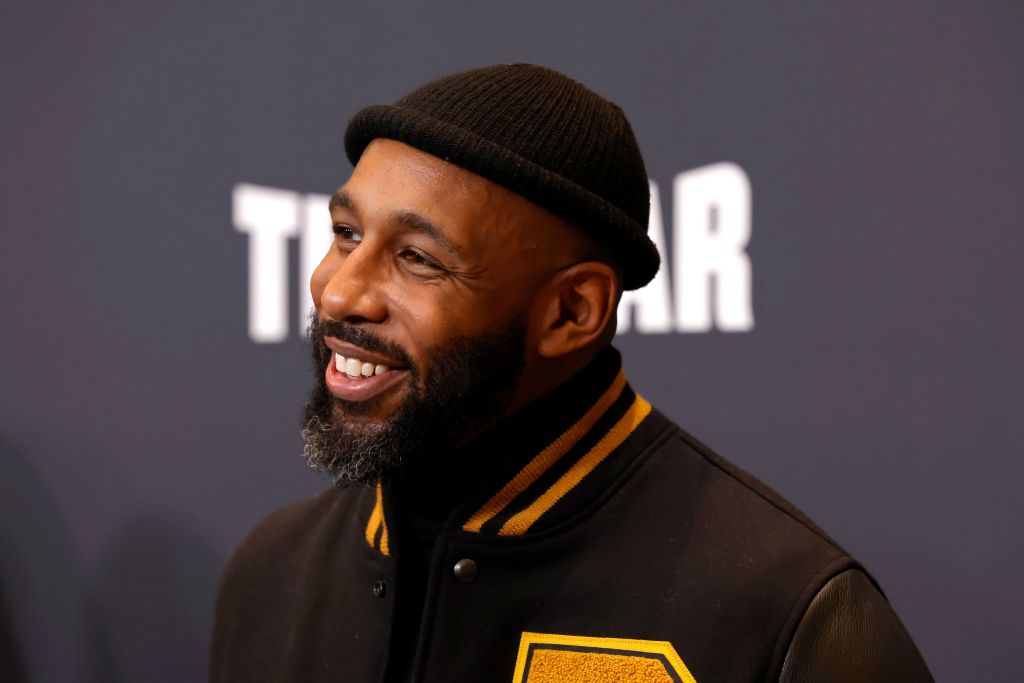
(342, 200)
(417, 223)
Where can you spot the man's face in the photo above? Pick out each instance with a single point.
(423, 309)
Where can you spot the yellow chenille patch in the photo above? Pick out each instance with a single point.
(555, 658)
(552, 666)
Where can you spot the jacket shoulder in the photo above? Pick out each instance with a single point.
(270, 574)
(767, 540)
(694, 495)
(287, 535)
(772, 501)
(278, 525)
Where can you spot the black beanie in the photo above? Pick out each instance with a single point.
(540, 134)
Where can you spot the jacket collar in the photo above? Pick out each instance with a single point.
(530, 470)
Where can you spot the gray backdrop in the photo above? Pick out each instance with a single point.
(142, 431)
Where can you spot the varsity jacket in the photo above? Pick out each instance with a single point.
(593, 540)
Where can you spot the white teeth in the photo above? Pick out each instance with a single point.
(356, 369)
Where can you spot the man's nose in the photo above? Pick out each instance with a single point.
(355, 293)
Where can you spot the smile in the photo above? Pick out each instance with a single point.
(353, 378)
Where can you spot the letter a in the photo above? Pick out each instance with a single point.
(712, 229)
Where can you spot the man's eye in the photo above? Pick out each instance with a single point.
(419, 261)
(347, 233)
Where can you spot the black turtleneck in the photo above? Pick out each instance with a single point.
(423, 498)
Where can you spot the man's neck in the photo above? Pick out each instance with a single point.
(433, 489)
(539, 379)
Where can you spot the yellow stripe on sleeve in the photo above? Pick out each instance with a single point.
(522, 520)
(546, 458)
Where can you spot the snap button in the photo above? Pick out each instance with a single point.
(379, 588)
(465, 570)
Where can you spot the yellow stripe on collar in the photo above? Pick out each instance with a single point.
(377, 522)
(546, 458)
(524, 519)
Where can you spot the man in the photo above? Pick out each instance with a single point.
(506, 507)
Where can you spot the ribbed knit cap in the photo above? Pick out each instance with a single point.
(540, 134)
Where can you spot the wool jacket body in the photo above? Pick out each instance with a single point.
(607, 545)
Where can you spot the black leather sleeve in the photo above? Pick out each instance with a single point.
(850, 633)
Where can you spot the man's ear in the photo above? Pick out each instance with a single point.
(578, 309)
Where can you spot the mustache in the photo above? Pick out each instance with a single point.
(357, 336)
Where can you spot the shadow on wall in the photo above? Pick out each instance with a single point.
(141, 609)
(156, 584)
(10, 660)
(45, 592)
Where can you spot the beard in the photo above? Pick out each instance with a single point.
(462, 385)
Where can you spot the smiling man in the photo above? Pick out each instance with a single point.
(506, 507)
